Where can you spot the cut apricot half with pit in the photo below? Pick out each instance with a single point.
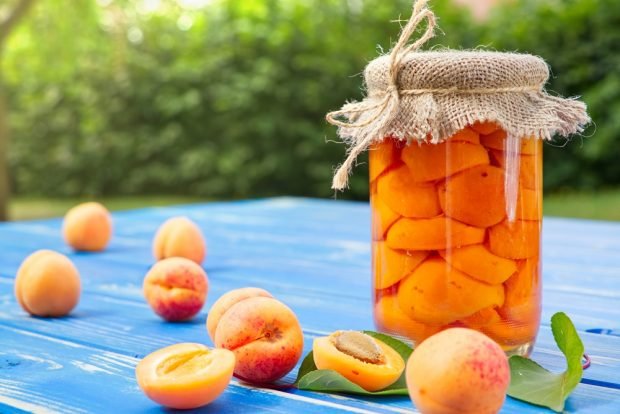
(185, 375)
(360, 358)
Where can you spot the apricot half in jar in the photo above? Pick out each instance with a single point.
(360, 358)
(186, 375)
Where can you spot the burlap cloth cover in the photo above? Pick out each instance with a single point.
(416, 95)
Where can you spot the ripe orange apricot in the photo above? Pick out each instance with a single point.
(186, 375)
(265, 336)
(403, 195)
(437, 233)
(226, 301)
(87, 227)
(436, 293)
(458, 371)
(515, 240)
(179, 237)
(393, 265)
(475, 196)
(176, 288)
(360, 358)
(479, 263)
(381, 156)
(390, 318)
(429, 162)
(47, 284)
(382, 217)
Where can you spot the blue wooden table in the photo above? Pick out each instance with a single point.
(313, 255)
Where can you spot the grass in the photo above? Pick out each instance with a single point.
(601, 205)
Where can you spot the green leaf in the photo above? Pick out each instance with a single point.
(323, 380)
(532, 383)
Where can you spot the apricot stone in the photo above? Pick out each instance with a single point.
(47, 284)
(179, 237)
(458, 370)
(176, 288)
(186, 375)
(360, 358)
(87, 227)
(226, 301)
(265, 336)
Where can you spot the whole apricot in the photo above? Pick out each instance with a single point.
(228, 299)
(186, 375)
(264, 335)
(458, 370)
(176, 288)
(47, 284)
(179, 237)
(88, 227)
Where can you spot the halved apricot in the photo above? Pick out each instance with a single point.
(519, 239)
(360, 358)
(482, 318)
(429, 162)
(392, 265)
(512, 334)
(382, 217)
(381, 155)
(475, 196)
(466, 135)
(186, 375)
(529, 204)
(530, 167)
(403, 195)
(485, 128)
(436, 293)
(436, 233)
(523, 293)
(390, 318)
(479, 263)
(497, 140)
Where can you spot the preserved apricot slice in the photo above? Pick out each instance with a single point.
(186, 375)
(510, 334)
(437, 233)
(381, 156)
(406, 197)
(480, 263)
(393, 265)
(485, 128)
(360, 358)
(382, 218)
(466, 135)
(497, 140)
(436, 293)
(529, 204)
(390, 318)
(530, 168)
(482, 318)
(523, 293)
(429, 162)
(475, 196)
(515, 240)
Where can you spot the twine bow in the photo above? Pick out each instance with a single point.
(387, 108)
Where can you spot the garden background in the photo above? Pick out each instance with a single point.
(149, 102)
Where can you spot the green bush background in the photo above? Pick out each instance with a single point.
(229, 101)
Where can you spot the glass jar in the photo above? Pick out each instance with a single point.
(456, 230)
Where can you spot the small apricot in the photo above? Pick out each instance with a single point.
(360, 358)
(458, 370)
(47, 284)
(176, 288)
(265, 336)
(87, 227)
(186, 375)
(179, 237)
(228, 299)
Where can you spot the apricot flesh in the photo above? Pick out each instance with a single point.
(403, 195)
(437, 233)
(519, 239)
(179, 237)
(185, 375)
(47, 284)
(176, 288)
(382, 217)
(458, 370)
(360, 358)
(381, 156)
(393, 265)
(87, 227)
(389, 317)
(265, 336)
(480, 263)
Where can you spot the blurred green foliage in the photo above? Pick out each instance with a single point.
(228, 100)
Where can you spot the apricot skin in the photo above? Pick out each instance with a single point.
(179, 237)
(87, 227)
(176, 288)
(47, 284)
(186, 375)
(226, 301)
(458, 370)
